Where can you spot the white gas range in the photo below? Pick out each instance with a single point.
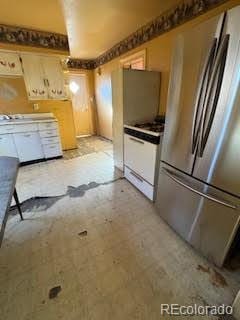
(142, 147)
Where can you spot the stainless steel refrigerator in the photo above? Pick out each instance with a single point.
(199, 181)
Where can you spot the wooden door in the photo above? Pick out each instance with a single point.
(81, 105)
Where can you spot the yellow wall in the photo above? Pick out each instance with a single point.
(20, 104)
(159, 52)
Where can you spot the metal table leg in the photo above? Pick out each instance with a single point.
(15, 195)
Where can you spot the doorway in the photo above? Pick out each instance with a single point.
(79, 92)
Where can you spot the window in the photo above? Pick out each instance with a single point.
(135, 61)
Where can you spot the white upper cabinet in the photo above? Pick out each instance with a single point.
(10, 64)
(33, 76)
(43, 77)
(54, 77)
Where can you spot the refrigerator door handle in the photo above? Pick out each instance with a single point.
(217, 75)
(211, 198)
(202, 93)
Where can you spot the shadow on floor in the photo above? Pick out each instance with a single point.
(44, 203)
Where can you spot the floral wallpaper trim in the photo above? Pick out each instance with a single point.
(183, 12)
(33, 38)
(73, 63)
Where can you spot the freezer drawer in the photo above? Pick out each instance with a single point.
(140, 156)
(204, 216)
(146, 188)
(177, 206)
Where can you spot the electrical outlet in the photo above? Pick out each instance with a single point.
(35, 106)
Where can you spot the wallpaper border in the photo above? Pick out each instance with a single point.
(34, 38)
(179, 14)
(184, 11)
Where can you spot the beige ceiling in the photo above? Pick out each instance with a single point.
(42, 14)
(94, 26)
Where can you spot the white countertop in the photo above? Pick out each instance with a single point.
(29, 118)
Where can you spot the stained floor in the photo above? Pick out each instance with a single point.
(100, 251)
(87, 145)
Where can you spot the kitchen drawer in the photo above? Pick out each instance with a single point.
(49, 133)
(146, 188)
(52, 150)
(6, 129)
(13, 128)
(28, 127)
(48, 125)
(141, 156)
(50, 140)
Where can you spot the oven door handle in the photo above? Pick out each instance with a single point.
(136, 140)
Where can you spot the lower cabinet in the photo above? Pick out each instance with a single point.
(7, 146)
(28, 146)
(30, 142)
(50, 140)
(52, 150)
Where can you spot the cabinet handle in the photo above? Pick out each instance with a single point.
(3, 63)
(27, 135)
(136, 140)
(11, 64)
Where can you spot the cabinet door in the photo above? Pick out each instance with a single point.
(33, 77)
(7, 146)
(28, 146)
(54, 77)
(10, 64)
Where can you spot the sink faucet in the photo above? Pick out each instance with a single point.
(6, 117)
